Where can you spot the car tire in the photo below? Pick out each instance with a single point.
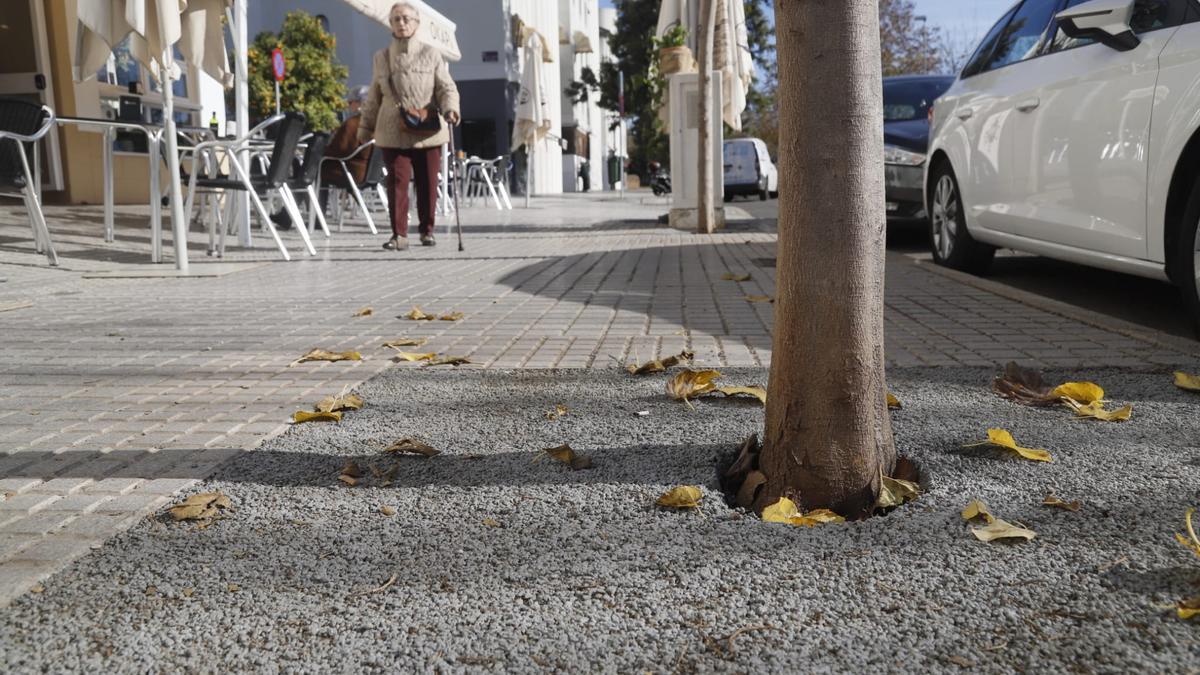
(949, 240)
(1185, 265)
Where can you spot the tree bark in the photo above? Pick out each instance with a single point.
(828, 435)
(706, 218)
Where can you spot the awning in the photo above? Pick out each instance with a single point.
(583, 44)
(435, 30)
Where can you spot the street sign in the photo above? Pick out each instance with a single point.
(278, 65)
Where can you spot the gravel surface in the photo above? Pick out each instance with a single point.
(503, 563)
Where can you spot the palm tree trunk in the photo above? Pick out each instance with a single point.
(828, 436)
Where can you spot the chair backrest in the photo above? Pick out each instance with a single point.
(19, 117)
(287, 137)
(317, 143)
(374, 174)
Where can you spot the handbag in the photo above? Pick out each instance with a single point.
(417, 121)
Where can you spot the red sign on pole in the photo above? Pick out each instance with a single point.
(277, 64)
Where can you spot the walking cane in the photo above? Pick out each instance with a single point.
(454, 186)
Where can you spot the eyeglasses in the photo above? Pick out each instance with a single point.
(405, 19)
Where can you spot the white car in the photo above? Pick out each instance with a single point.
(749, 169)
(1073, 132)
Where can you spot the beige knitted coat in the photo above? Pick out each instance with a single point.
(421, 77)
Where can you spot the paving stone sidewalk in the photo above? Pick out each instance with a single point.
(115, 392)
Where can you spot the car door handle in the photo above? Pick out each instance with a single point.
(1029, 104)
(965, 114)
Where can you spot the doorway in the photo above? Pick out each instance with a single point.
(25, 74)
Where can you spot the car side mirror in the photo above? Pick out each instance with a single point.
(1105, 21)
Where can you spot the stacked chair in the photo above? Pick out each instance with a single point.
(23, 122)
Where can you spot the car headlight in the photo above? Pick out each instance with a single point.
(895, 155)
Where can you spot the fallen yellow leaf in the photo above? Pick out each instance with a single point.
(323, 355)
(413, 356)
(1051, 500)
(234, 588)
(999, 529)
(37, 588)
(565, 454)
(683, 497)
(205, 506)
(755, 391)
(730, 276)
(691, 383)
(1186, 381)
(977, 509)
(387, 510)
(492, 522)
(785, 511)
(559, 411)
(759, 298)
(365, 311)
(1096, 411)
(452, 316)
(894, 492)
(417, 315)
(455, 361)
(301, 416)
(1081, 392)
(1191, 541)
(660, 365)
(412, 446)
(340, 403)
(1003, 439)
(1186, 609)
(893, 402)
(405, 342)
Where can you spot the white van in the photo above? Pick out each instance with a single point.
(749, 169)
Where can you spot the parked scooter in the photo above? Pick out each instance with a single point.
(660, 180)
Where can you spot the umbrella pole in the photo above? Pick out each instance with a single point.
(179, 226)
(528, 173)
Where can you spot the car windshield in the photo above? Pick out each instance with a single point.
(910, 99)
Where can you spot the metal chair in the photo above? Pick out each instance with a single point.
(23, 122)
(372, 180)
(276, 178)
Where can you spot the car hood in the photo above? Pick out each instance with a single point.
(911, 135)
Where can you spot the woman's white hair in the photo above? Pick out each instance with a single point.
(403, 5)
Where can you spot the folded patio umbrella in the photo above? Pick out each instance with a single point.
(533, 120)
(731, 48)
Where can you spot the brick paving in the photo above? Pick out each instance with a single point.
(116, 393)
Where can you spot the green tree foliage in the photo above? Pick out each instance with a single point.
(909, 46)
(315, 82)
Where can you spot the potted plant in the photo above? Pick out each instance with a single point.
(674, 56)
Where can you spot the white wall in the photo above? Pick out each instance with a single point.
(482, 27)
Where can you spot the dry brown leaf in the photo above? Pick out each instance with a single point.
(660, 365)
(452, 316)
(565, 454)
(893, 403)
(188, 592)
(387, 510)
(759, 298)
(414, 356)
(1187, 382)
(301, 416)
(233, 588)
(1191, 541)
(999, 529)
(730, 276)
(893, 492)
(412, 446)
(417, 315)
(1096, 411)
(352, 469)
(1023, 385)
(1051, 500)
(1003, 439)
(348, 480)
(202, 507)
(559, 411)
(365, 311)
(755, 391)
(406, 342)
(785, 511)
(323, 355)
(37, 588)
(682, 497)
(692, 383)
(748, 492)
(977, 509)
(448, 361)
(339, 403)
(492, 522)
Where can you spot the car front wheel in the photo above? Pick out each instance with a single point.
(1187, 262)
(951, 243)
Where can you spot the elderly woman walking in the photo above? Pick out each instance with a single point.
(410, 92)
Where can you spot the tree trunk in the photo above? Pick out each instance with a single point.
(706, 218)
(828, 435)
